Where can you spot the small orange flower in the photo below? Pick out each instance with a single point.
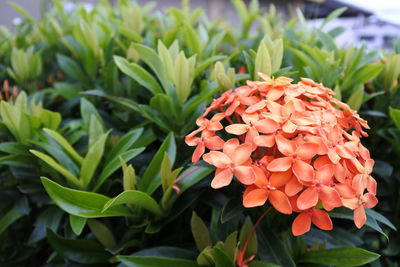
(293, 145)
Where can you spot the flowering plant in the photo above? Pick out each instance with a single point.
(292, 144)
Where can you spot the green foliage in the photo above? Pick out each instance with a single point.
(113, 91)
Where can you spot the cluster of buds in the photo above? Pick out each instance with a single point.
(7, 92)
(293, 145)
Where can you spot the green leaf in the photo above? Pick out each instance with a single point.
(49, 218)
(102, 233)
(262, 264)
(151, 177)
(221, 259)
(361, 76)
(125, 143)
(192, 176)
(136, 261)
(114, 165)
(92, 159)
(244, 234)
(333, 15)
(200, 232)
(347, 214)
(50, 161)
(65, 144)
(77, 223)
(395, 115)
(22, 11)
(129, 176)
(72, 69)
(380, 218)
(192, 39)
(81, 203)
(139, 74)
(347, 256)
(134, 197)
(263, 61)
(81, 251)
(20, 209)
(356, 99)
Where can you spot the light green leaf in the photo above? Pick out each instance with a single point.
(356, 99)
(102, 233)
(200, 232)
(134, 197)
(138, 261)
(65, 144)
(347, 256)
(139, 74)
(56, 166)
(81, 203)
(77, 223)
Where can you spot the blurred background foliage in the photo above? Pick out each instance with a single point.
(93, 165)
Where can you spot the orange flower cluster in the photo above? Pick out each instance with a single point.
(292, 144)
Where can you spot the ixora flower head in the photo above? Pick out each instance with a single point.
(293, 145)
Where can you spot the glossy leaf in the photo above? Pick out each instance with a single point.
(81, 203)
(134, 261)
(346, 256)
(137, 198)
(200, 232)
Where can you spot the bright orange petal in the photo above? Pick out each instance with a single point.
(264, 140)
(230, 146)
(255, 107)
(245, 174)
(359, 217)
(217, 158)
(255, 198)
(242, 153)
(351, 203)
(198, 152)
(285, 146)
(370, 201)
(307, 151)
(278, 179)
(293, 187)
(345, 191)
(289, 127)
(237, 129)
(308, 198)
(303, 171)
(280, 164)
(321, 219)
(266, 126)
(330, 198)
(280, 202)
(301, 224)
(325, 174)
(214, 142)
(223, 178)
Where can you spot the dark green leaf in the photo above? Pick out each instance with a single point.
(133, 261)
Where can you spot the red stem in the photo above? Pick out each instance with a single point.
(253, 229)
(186, 174)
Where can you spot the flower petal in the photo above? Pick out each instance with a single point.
(308, 198)
(345, 191)
(255, 198)
(293, 187)
(264, 140)
(359, 217)
(325, 174)
(280, 202)
(370, 201)
(198, 152)
(321, 219)
(214, 142)
(330, 198)
(237, 128)
(303, 171)
(301, 224)
(289, 127)
(245, 174)
(255, 107)
(285, 146)
(242, 153)
(280, 164)
(266, 126)
(217, 158)
(222, 178)
(278, 179)
(307, 151)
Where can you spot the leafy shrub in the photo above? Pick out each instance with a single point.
(93, 161)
